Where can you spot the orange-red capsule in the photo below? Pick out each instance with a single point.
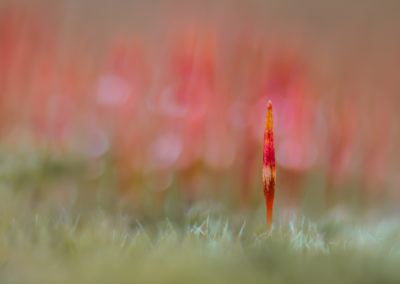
(269, 171)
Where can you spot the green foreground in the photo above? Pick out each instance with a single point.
(99, 247)
(53, 231)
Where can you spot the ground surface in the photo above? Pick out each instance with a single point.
(100, 247)
(53, 231)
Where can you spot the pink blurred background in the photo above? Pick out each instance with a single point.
(175, 92)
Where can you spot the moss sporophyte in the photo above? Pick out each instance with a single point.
(269, 170)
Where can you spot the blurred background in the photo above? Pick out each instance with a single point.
(155, 105)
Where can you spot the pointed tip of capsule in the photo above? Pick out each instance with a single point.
(268, 119)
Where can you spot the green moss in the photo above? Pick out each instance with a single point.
(104, 247)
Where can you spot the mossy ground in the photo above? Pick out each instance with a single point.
(45, 239)
(113, 248)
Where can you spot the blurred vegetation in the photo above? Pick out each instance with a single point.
(104, 246)
(131, 134)
(51, 231)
